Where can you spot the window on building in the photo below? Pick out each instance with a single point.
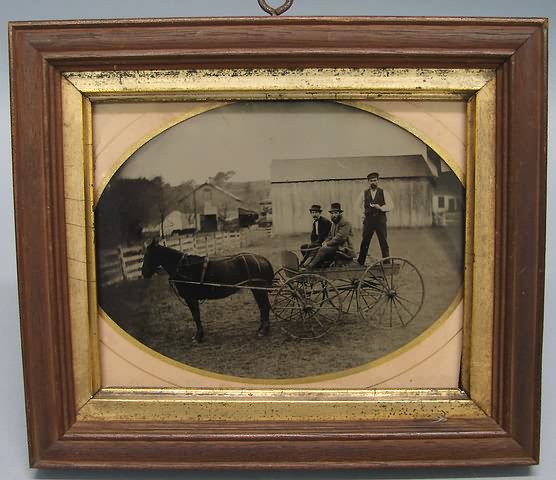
(208, 194)
(440, 202)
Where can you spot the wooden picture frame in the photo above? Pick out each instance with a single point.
(59, 68)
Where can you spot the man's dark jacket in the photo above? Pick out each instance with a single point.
(324, 229)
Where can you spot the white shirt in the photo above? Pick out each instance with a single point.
(388, 202)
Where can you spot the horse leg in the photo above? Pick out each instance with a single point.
(264, 307)
(193, 305)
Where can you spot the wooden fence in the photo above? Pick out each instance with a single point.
(124, 263)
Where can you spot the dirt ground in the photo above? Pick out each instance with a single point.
(150, 312)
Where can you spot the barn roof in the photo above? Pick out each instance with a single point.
(216, 187)
(347, 168)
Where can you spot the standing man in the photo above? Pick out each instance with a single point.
(376, 202)
(338, 240)
(319, 232)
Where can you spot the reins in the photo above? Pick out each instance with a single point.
(183, 279)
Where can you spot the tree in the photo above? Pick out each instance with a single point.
(221, 178)
(127, 206)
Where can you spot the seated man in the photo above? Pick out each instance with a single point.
(338, 240)
(319, 232)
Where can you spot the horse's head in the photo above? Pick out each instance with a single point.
(150, 261)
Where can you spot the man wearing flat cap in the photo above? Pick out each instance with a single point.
(338, 240)
(319, 232)
(375, 202)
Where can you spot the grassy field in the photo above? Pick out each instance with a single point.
(150, 312)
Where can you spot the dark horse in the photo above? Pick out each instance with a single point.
(197, 278)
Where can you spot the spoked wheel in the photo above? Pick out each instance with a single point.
(391, 293)
(307, 306)
(348, 293)
(281, 276)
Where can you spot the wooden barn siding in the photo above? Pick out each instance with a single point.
(218, 199)
(291, 201)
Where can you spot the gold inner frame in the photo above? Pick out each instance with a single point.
(477, 87)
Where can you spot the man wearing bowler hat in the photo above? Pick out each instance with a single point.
(319, 232)
(376, 202)
(338, 240)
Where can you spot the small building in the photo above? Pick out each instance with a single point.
(208, 208)
(211, 207)
(298, 183)
(448, 199)
(247, 217)
(265, 209)
(177, 222)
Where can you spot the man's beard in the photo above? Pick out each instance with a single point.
(373, 186)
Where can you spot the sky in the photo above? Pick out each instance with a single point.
(246, 136)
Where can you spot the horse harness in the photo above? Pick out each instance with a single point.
(206, 261)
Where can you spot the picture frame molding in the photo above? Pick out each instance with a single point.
(69, 419)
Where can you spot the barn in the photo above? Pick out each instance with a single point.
(213, 207)
(207, 208)
(298, 183)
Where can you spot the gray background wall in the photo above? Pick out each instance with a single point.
(13, 449)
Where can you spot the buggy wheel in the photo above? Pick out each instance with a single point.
(348, 293)
(390, 293)
(307, 306)
(281, 276)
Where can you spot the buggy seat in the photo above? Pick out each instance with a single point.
(342, 258)
(290, 260)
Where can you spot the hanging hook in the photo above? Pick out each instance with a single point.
(275, 11)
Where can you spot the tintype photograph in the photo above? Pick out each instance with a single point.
(280, 240)
(253, 244)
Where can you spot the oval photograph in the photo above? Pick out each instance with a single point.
(280, 240)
